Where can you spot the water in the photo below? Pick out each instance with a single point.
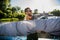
(13, 38)
(21, 38)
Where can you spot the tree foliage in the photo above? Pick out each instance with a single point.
(6, 11)
(21, 16)
(56, 12)
(35, 11)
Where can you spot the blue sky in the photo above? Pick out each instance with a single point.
(57, 2)
(41, 5)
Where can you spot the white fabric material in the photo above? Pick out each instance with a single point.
(8, 29)
(24, 28)
(53, 26)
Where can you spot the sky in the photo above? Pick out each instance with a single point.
(41, 5)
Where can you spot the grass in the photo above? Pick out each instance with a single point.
(9, 19)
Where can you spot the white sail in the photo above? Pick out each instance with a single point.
(24, 28)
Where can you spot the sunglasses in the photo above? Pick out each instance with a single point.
(29, 15)
(28, 11)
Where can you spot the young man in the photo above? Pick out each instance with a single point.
(29, 16)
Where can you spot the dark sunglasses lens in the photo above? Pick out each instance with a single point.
(28, 11)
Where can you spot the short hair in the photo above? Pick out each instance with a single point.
(26, 9)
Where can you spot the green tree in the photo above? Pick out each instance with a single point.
(22, 11)
(1, 14)
(35, 11)
(9, 15)
(15, 9)
(4, 4)
(56, 12)
(15, 15)
(21, 16)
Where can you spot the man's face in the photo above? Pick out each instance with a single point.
(28, 12)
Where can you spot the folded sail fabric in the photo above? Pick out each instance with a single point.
(24, 28)
(8, 29)
(53, 26)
